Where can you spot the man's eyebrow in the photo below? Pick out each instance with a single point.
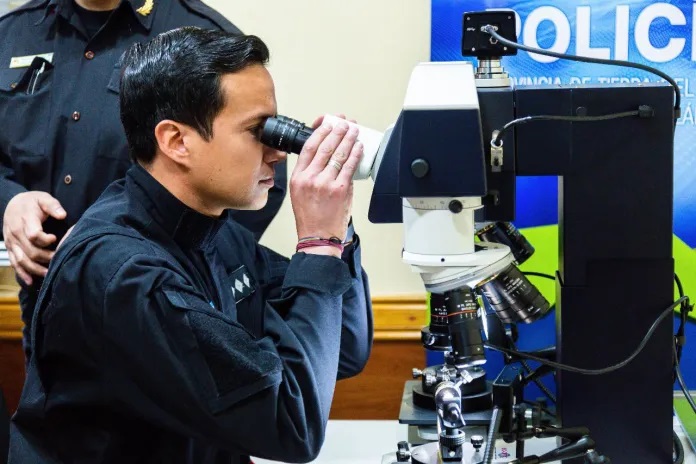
(257, 118)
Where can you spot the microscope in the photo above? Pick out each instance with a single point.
(448, 173)
(447, 170)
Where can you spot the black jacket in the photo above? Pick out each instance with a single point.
(165, 336)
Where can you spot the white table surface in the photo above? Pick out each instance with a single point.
(365, 442)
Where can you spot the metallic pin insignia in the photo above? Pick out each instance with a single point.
(146, 9)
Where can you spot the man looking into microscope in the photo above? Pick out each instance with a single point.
(164, 332)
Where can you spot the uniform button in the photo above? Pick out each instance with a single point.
(13, 85)
(76, 116)
(89, 54)
(68, 179)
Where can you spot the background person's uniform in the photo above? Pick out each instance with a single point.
(163, 335)
(60, 128)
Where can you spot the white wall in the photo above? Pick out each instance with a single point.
(353, 57)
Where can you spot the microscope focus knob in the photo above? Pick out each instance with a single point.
(477, 441)
(403, 454)
(420, 167)
(455, 206)
(457, 438)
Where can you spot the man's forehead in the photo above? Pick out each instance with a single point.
(250, 92)
(252, 81)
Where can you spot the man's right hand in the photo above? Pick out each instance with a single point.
(321, 186)
(24, 236)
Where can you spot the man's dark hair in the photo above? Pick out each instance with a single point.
(177, 76)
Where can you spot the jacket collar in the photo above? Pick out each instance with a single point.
(186, 226)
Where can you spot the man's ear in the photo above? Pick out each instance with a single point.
(171, 141)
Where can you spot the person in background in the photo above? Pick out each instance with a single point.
(164, 332)
(61, 141)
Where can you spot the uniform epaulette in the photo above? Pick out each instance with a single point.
(30, 5)
(197, 6)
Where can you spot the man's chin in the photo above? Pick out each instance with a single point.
(255, 204)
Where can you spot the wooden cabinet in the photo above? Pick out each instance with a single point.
(11, 354)
(374, 394)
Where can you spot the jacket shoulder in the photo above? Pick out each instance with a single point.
(201, 9)
(28, 6)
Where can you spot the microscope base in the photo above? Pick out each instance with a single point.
(505, 452)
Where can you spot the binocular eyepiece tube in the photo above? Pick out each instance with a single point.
(289, 135)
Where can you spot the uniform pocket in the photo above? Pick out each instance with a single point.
(112, 139)
(27, 80)
(10, 79)
(25, 109)
(222, 351)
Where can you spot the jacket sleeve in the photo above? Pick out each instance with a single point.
(357, 328)
(179, 363)
(9, 187)
(357, 325)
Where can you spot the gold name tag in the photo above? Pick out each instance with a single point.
(25, 61)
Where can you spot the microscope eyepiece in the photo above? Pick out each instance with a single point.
(285, 134)
(289, 135)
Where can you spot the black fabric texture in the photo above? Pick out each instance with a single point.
(229, 374)
(92, 20)
(306, 271)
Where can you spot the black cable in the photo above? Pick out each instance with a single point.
(529, 370)
(682, 385)
(678, 453)
(684, 312)
(540, 274)
(680, 287)
(605, 370)
(538, 382)
(606, 117)
(677, 94)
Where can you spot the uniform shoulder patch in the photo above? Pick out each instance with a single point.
(242, 283)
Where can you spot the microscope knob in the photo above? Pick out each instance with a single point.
(452, 441)
(417, 373)
(477, 441)
(455, 206)
(403, 454)
(420, 168)
(430, 379)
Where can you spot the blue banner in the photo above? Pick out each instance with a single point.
(659, 34)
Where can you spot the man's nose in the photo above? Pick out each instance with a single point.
(273, 155)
